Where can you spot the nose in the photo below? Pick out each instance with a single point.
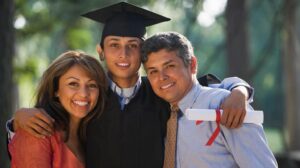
(124, 52)
(84, 92)
(163, 75)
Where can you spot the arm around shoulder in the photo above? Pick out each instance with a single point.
(35, 121)
(232, 83)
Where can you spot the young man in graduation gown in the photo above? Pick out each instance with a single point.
(130, 132)
(171, 69)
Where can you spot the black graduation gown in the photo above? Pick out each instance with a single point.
(132, 138)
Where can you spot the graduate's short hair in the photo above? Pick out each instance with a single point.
(170, 41)
(49, 84)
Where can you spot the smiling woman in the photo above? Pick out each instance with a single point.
(72, 91)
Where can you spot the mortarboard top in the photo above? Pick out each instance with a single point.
(124, 19)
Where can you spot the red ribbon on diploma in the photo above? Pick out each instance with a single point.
(198, 122)
(217, 130)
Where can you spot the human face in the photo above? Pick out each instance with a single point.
(77, 92)
(122, 55)
(168, 76)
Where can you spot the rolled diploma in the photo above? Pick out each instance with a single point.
(254, 116)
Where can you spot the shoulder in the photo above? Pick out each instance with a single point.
(145, 81)
(29, 151)
(208, 79)
(25, 136)
(212, 92)
(23, 139)
(213, 96)
(25, 142)
(146, 88)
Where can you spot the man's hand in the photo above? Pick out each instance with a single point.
(35, 121)
(234, 107)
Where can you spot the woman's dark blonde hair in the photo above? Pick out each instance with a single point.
(48, 86)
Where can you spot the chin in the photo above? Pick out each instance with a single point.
(81, 116)
(167, 99)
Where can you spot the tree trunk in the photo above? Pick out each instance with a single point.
(291, 58)
(237, 38)
(6, 71)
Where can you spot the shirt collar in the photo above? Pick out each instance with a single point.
(191, 97)
(125, 92)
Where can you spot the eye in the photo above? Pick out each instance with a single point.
(73, 84)
(152, 72)
(133, 46)
(170, 66)
(114, 45)
(93, 85)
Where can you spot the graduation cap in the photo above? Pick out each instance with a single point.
(124, 19)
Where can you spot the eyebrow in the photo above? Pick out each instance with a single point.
(167, 62)
(170, 61)
(116, 39)
(71, 77)
(133, 40)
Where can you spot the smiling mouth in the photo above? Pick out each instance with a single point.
(167, 86)
(81, 103)
(123, 65)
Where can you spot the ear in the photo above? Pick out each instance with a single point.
(100, 52)
(194, 65)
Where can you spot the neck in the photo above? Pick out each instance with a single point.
(73, 142)
(187, 90)
(125, 82)
(73, 131)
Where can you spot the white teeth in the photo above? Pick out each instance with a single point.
(81, 103)
(167, 86)
(123, 64)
